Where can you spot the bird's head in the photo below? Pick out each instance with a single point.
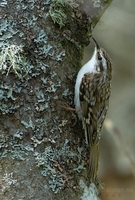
(101, 59)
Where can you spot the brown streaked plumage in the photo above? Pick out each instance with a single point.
(92, 92)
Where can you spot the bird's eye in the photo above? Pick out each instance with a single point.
(99, 58)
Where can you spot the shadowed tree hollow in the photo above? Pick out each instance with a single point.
(42, 156)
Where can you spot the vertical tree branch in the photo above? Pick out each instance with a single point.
(41, 47)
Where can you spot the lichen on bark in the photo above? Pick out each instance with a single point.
(40, 149)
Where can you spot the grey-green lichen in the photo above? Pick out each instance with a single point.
(7, 31)
(16, 151)
(89, 193)
(30, 86)
(53, 162)
(14, 60)
(8, 178)
(8, 94)
(28, 124)
(96, 3)
(3, 3)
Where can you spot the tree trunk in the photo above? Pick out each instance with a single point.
(43, 156)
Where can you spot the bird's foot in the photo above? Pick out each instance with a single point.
(72, 110)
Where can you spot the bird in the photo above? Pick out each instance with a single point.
(91, 99)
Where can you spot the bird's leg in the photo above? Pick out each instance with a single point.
(66, 107)
(72, 110)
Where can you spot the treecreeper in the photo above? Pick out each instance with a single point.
(92, 93)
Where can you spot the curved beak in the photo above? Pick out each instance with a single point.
(96, 44)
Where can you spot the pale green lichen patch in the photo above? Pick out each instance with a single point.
(59, 10)
(10, 59)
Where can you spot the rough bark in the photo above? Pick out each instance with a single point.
(42, 156)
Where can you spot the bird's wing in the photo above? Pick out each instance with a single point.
(93, 106)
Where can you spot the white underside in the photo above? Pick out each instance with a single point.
(89, 67)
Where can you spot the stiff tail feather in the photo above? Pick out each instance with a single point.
(93, 161)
